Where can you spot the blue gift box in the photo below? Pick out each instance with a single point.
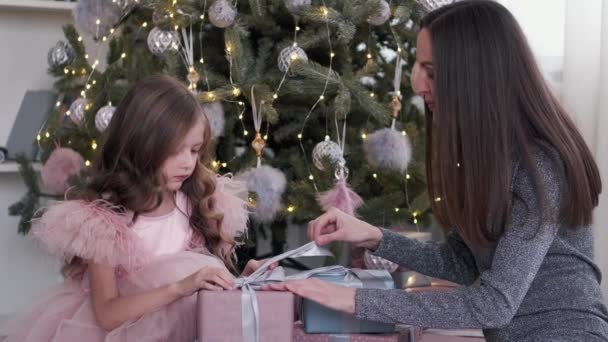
(319, 319)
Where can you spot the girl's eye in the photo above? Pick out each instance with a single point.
(194, 151)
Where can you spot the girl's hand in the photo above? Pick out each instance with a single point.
(253, 265)
(207, 278)
(335, 297)
(336, 225)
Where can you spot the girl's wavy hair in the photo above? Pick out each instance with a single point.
(147, 126)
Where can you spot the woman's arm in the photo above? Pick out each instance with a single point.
(450, 260)
(111, 309)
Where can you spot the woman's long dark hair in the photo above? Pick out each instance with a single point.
(147, 126)
(492, 104)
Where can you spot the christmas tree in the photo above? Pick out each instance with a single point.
(321, 87)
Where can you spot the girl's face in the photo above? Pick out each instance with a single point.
(423, 74)
(180, 164)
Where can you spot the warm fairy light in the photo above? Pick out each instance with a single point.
(83, 71)
(291, 208)
(94, 145)
(438, 199)
(332, 55)
(372, 94)
(73, 72)
(86, 55)
(300, 136)
(458, 164)
(245, 133)
(236, 91)
(363, 136)
(176, 27)
(294, 56)
(396, 210)
(228, 49)
(311, 177)
(144, 24)
(224, 164)
(97, 21)
(104, 38)
(415, 221)
(324, 11)
(241, 117)
(171, 15)
(68, 113)
(369, 55)
(297, 28)
(202, 61)
(215, 164)
(111, 31)
(57, 104)
(47, 134)
(415, 214)
(87, 163)
(38, 137)
(241, 103)
(87, 106)
(82, 93)
(265, 137)
(202, 16)
(407, 176)
(66, 71)
(403, 133)
(398, 49)
(275, 96)
(375, 175)
(294, 44)
(88, 86)
(321, 97)
(79, 38)
(94, 82)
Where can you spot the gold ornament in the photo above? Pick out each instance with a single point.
(258, 144)
(396, 105)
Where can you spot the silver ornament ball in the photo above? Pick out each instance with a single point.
(382, 16)
(294, 6)
(103, 117)
(61, 54)
(289, 54)
(159, 41)
(326, 150)
(222, 14)
(77, 110)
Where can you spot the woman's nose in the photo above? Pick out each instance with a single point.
(419, 84)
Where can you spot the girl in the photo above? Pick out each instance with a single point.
(517, 186)
(151, 227)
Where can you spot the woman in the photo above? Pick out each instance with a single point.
(517, 186)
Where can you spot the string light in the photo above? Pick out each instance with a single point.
(321, 97)
(403, 133)
(236, 91)
(94, 82)
(375, 175)
(363, 136)
(86, 56)
(407, 176)
(297, 28)
(224, 164)
(275, 96)
(38, 137)
(291, 209)
(66, 71)
(87, 163)
(438, 199)
(396, 210)
(300, 136)
(332, 55)
(202, 16)
(144, 24)
(324, 11)
(311, 177)
(111, 31)
(369, 56)
(57, 104)
(88, 86)
(94, 145)
(265, 137)
(73, 72)
(97, 22)
(372, 94)
(245, 133)
(47, 135)
(79, 38)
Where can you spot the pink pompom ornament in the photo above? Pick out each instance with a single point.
(62, 164)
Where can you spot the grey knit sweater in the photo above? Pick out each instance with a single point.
(537, 283)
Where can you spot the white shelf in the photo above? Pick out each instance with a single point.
(42, 5)
(13, 167)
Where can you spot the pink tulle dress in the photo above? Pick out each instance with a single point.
(152, 252)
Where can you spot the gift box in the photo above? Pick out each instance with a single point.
(319, 319)
(220, 316)
(403, 334)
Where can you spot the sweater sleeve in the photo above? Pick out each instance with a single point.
(450, 260)
(518, 256)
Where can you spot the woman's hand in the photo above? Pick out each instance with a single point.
(335, 297)
(253, 265)
(207, 278)
(336, 225)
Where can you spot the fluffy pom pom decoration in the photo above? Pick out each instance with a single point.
(96, 17)
(215, 115)
(341, 197)
(269, 184)
(61, 165)
(90, 230)
(382, 16)
(230, 199)
(389, 149)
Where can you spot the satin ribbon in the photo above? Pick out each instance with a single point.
(249, 304)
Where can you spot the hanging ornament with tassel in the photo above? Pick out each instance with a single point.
(267, 182)
(342, 197)
(388, 148)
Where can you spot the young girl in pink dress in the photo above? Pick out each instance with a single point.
(151, 227)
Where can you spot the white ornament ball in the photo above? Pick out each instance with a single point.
(103, 117)
(214, 111)
(289, 54)
(373, 262)
(383, 15)
(222, 14)
(160, 41)
(96, 17)
(326, 150)
(269, 185)
(294, 6)
(389, 149)
(77, 110)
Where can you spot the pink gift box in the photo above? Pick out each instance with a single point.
(403, 335)
(220, 316)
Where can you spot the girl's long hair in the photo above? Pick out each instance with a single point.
(147, 126)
